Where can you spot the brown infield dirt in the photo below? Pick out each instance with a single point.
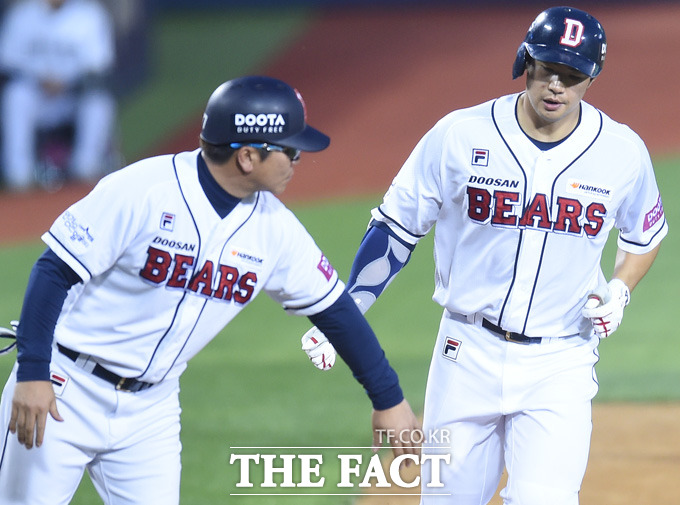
(376, 80)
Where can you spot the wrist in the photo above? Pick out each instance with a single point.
(620, 290)
(33, 371)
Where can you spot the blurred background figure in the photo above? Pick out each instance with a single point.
(57, 57)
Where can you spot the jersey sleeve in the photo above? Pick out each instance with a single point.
(91, 234)
(412, 203)
(304, 281)
(640, 219)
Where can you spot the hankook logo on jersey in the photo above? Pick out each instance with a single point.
(247, 257)
(577, 187)
(260, 123)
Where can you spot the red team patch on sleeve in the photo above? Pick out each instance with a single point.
(325, 267)
(653, 216)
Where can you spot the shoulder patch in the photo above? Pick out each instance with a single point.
(325, 267)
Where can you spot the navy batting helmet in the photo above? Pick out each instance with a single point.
(564, 35)
(259, 109)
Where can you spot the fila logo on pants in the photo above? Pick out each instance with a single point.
(451, 348)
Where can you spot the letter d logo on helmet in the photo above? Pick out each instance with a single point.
(564, 35)
(259, 109)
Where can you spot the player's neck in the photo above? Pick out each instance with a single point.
(540, 128)
(229, 179)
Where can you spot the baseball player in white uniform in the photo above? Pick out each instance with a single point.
(57, 55)
(140, 275)
(523, 191)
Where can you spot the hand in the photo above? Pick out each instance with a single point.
(30, 405)
(320, 351)
(605, 307)
(400, 427)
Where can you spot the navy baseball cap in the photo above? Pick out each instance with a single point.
(259, 109)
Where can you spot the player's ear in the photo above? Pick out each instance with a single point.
(246, 157)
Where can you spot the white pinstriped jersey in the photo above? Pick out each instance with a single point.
(160, 240)
(520, 231)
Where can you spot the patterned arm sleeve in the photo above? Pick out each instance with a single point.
(381, 256)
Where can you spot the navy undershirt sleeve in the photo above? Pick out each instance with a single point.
(48, 285)
(354, 340)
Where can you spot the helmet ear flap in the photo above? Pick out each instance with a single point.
(520, 61)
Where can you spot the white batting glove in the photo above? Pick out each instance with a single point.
(320, 351)
(605, 307)
(11, 335)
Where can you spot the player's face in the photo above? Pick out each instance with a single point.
(554, 92)
(274, 172)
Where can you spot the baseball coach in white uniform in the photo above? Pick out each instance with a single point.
(140, 275)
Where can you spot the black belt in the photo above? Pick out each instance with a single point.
(509, 335)
(125, 384)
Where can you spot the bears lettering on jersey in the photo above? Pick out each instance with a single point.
(223, 282)
(504, 208)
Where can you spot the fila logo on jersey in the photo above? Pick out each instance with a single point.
(167, 221)
(260, 123)
(451, 348)
(480, 157)
(222, 282)
(505, 209)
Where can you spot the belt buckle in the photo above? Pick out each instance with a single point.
(509, 338)
(121, 386)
